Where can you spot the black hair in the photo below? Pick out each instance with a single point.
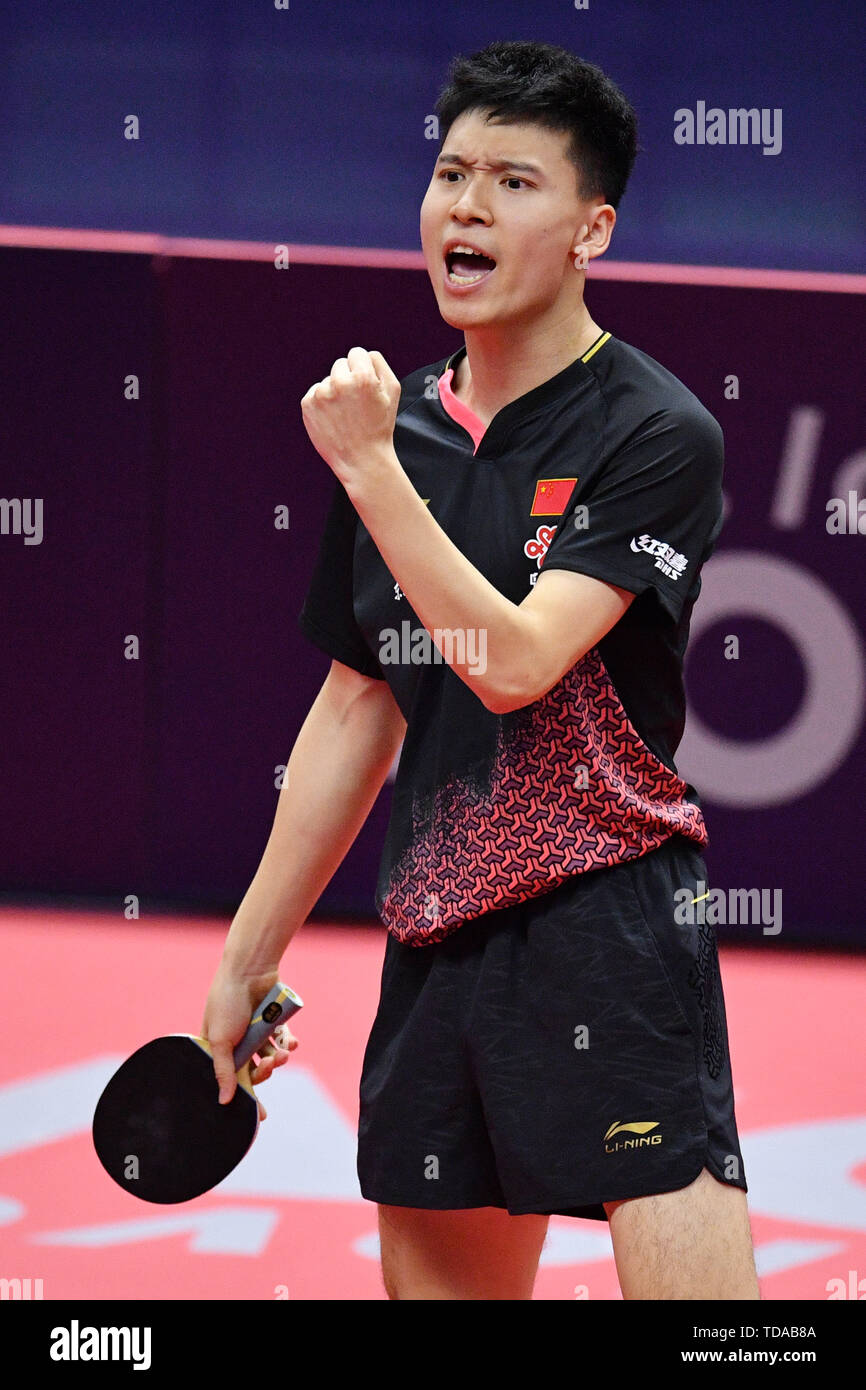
(528, 81)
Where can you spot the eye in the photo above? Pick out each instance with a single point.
(511, 178)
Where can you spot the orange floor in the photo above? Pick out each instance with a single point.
(81, 990)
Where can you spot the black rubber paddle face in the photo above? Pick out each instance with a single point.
(159, 1129)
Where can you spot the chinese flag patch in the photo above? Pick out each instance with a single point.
(551, 496)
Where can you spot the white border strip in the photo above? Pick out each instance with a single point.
(149, 244)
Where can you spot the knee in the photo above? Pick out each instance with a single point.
(610, 1207)
(389, 1279)
(392, 1240)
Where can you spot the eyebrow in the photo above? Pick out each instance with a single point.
(498, 164)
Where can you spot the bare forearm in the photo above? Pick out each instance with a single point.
(335, 772)
(444, 588)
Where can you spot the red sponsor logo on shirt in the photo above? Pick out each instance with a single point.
(538, 546)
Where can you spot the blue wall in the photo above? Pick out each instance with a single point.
(307, 124)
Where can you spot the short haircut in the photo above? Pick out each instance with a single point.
(541, 83)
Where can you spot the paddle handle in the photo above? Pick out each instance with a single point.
(274, 1009)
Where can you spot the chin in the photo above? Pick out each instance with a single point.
(456, 317)
(464, 315)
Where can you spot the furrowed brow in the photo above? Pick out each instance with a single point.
(498, 164)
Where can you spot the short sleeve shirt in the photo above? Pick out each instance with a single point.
(611, 468)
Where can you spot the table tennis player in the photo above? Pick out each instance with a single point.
(504, 586)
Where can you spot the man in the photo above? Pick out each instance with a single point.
(506, 574)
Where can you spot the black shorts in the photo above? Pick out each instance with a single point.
(566, 1051)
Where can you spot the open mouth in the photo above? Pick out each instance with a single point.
(467, 267)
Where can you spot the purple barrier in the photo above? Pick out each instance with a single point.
(775, 736)
(155, 676)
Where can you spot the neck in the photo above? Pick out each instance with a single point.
(505, 361)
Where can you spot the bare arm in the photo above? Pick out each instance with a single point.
(335, 772)
(527, 646)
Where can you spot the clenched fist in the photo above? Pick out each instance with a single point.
(350, 415)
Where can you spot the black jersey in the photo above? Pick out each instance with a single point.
(611, 468)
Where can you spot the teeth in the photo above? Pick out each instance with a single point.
(458, 279)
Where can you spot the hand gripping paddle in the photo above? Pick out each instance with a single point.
(159, 1129)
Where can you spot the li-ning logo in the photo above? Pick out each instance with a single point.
(669, 561)
(639, 1127)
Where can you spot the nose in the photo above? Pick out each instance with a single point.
(471, 204)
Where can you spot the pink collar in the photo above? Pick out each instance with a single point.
(459, 410)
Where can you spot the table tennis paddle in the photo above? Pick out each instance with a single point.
(159, 1129)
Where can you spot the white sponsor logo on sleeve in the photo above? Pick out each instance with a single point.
(668, 560)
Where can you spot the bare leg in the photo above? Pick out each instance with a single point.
(691, 1244)
(480, 1253)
